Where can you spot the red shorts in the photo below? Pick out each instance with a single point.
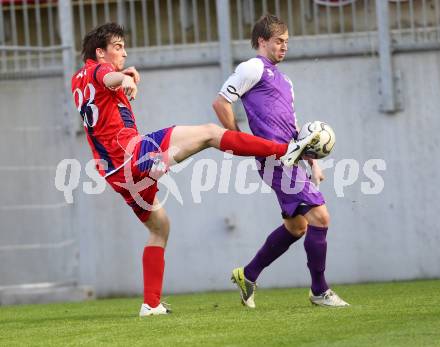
(151, 149)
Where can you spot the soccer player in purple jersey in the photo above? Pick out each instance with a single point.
(268, 98)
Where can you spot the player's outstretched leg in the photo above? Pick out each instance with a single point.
(153, 263)
(188, 140)
(315, 245)
(276, 244)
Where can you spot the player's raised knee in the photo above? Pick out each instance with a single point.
(213, 133)
(212, 129)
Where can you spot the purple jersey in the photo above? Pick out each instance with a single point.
(267, 96)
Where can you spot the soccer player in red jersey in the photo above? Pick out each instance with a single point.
(102, 90)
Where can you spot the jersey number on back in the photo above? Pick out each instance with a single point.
(85, 105)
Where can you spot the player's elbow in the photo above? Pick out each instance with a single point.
(214, 105)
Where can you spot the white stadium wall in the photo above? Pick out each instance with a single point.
(37, 232)
(393, 235)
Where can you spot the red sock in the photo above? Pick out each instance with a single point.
(249, 145)
(153, 264)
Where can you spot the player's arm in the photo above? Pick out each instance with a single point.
(114, 79)
(131, 71)
(245, 77)
(224, 112)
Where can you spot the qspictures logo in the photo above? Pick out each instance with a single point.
(225, 176)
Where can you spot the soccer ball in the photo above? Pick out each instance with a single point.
(323, 147)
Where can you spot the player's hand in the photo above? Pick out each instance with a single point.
(317, 174)
(129, 87)
(131, 71)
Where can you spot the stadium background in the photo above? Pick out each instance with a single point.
(377, 87)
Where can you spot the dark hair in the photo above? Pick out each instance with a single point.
(266, 27)
(99, 38)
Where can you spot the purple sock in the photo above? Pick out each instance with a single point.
(315, 245)
(276, 244)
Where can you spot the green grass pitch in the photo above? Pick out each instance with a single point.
(383, 314)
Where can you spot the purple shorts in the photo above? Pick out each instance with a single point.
(154, 143)
(295, 192)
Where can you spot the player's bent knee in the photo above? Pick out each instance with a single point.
(213, 128)
(162, 232)
(297, 226)
(297, 232)
(318, 216)
(164, 229)
(212, 131)
(323, 219)
(159, 225)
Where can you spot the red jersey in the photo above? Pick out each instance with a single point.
(108, 118)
